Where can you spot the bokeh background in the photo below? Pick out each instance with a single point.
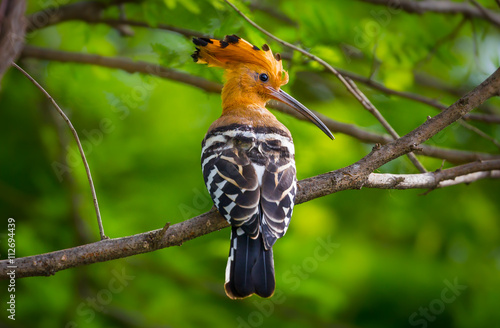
(360, 258)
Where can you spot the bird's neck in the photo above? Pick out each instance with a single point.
(235, 94)
(241, 106)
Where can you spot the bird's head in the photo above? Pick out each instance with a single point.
(254, 75)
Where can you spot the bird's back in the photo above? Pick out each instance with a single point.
(249, 172)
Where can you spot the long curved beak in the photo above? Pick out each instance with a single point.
(290, 101)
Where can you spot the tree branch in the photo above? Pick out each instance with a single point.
(124, 64)
(88, 11)
(441, 7)
(441, 178)
(175, 235)
(12, 29)
(451, 155)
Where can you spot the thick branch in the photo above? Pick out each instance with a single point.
(12, 28)
(125, 64)
(441, 7)
(88, 11)
(451, 155)
(110, 249)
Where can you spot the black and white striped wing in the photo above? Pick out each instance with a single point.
(278, 190)
(233, 184)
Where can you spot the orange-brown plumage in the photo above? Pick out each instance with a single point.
(244, 96)
(233, 52)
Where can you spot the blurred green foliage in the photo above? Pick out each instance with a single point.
(395, 253)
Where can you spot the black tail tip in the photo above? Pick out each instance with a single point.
(233, 294)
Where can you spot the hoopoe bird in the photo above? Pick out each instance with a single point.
(248, 160)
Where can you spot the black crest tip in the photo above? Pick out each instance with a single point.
(232, 38)
(207, 40)
(265, 47)
(196, 55)
(255, 47)
(223, 44)
(200, 42)
(278, 57)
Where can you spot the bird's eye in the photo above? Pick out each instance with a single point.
(263, 77)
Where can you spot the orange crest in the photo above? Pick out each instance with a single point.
(234, 51)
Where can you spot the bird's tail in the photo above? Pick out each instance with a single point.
(250, 267)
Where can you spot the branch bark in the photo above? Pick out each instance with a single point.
(354, 176)
(110, 249)
(441, 7)
(441, 178)
(88, 11)
(451, 155)
(12, 29)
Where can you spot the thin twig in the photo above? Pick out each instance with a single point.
(441, 42)
(375, 63)
(77, 139)
(486, 118)
(434, 84)
(373, 110)
(479, 132)
(486, 13)
(435, 104)
(349, 84)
